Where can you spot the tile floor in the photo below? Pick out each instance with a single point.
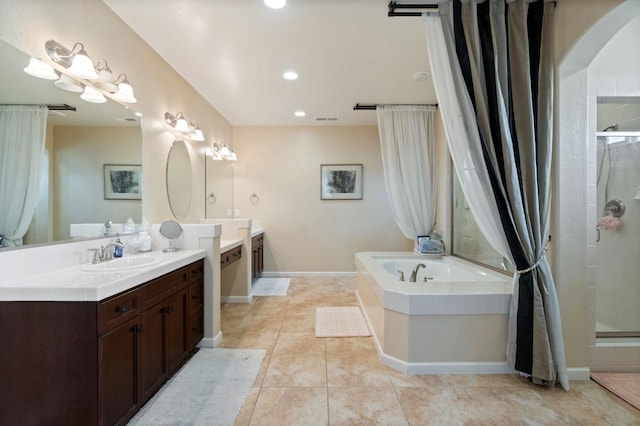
(306, 380)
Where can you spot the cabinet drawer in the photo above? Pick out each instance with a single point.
(196, 271)
(161, 288)
(196, 297)
(228, 257)
(118, 310)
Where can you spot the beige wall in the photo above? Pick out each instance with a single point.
(303, 233)
(78, 157)
(27, 25)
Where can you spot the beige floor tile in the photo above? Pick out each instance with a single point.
(291, 406)
(299, 323)
(359, 345)
(261, 323)
(296, 370)
(263, 370)
(364, 406)
(401, 379)
(244, 416)
(250, 340)
(299, 344)
(347, 369)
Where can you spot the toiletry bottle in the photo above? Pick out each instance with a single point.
(117, 250)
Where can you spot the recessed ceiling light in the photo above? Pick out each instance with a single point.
(290, 75)
(421, 75)
(299, 113)
(275, 4)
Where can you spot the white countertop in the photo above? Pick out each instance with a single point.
(74, 284)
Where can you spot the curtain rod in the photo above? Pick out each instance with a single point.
(58, 107)
(394, 5)
(372, 107)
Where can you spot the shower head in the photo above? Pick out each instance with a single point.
(612, 127)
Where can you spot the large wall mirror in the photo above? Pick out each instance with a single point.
(218, 188)
(78, 146)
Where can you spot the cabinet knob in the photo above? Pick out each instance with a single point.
(194, 297)
(168, 309)
(122, 309)
(139, 329)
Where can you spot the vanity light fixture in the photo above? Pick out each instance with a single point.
(92, 95)
(105, 80)
(221, 152)
(180, 124)
(81, 65)
(77, 73)
(299, 113)
(39, 69)
(125, 91)
(69, 84)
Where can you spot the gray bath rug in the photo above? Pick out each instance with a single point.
(209, 389)
(270, 287)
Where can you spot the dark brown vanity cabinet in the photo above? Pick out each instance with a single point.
(84, 363)
(257, 256)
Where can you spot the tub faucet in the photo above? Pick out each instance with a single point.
(412, 279)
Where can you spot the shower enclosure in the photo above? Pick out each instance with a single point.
(618, 223)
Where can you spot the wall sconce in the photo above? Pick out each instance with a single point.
(180, 124)
(77, 74)
(221, 152)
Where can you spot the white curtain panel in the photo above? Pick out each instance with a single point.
(22, 137)
(520, 189)
(407, 140)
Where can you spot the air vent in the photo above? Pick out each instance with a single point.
(327, 118)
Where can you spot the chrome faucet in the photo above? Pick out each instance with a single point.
(414, 273)
(103, 254)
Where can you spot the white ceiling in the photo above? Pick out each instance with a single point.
(234, 53)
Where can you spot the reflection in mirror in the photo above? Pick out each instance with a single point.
(219, 187)
(78, 144)
(468, 242)
(179, 179)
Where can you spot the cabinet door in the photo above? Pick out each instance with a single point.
(154, 363)
(176, 329)
(118, 373)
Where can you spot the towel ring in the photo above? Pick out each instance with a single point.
(212, 198)
(254, 198)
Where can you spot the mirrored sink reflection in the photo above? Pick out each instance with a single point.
(122, 264)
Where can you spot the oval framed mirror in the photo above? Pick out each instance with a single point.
(179, 179)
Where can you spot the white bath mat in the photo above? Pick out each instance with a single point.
(209, 389)
(341, 322)
(270, 287)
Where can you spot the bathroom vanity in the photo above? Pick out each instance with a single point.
(97, 360)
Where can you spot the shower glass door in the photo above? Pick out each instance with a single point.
(618, 223)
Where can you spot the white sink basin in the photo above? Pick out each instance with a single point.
(122, 264)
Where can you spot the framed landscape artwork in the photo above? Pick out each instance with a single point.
(341, 182)
(122, 182)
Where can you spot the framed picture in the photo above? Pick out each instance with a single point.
(122, 182)
(341, 182)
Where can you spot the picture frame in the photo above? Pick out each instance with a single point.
(122, 181)
(341, 181)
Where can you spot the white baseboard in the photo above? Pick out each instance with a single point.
(236, 299)
(267, 274)
(413, 368)
(579, 373)
(210, 342)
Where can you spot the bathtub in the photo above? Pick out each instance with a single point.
(454, 321)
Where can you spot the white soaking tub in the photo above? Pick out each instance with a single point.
(453, 319)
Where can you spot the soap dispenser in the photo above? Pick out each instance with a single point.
(117, 251)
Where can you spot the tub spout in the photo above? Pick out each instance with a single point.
(414, 273)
